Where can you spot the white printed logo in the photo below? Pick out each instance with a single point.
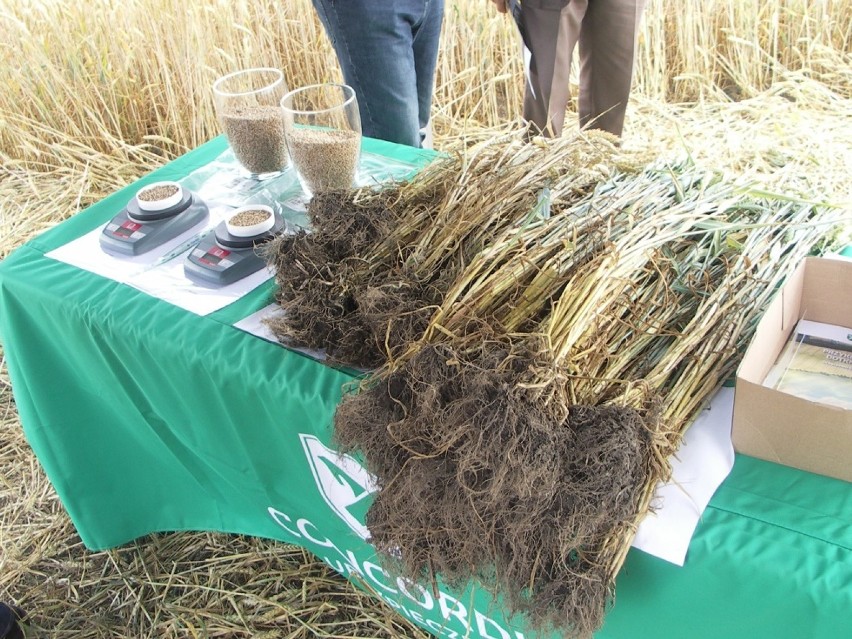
(343, 483)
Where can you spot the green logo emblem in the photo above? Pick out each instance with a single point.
(342, 482)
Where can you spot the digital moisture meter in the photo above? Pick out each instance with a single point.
(229, 254)
(160, 212)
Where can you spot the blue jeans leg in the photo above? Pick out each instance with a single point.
(387, 52)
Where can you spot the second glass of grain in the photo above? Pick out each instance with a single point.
(248, 108)
(323, 132)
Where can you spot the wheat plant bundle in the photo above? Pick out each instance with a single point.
(519, 440)
(363, 281)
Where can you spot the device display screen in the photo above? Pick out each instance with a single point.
(214, 256)
(127, 229)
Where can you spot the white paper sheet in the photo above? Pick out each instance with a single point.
(702, 463)
(255, 324)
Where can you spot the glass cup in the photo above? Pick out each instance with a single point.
(248, 108)
(323, 130)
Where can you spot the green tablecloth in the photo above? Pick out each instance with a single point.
(148, 418)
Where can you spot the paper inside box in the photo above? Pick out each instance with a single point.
(816, 364)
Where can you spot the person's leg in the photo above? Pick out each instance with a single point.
(607, 51)
(426, 35)
(373, 40)
(553, 27)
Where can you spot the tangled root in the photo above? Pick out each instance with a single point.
(478, 480)
(333, 298)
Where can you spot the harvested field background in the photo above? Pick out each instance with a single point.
(98, 93)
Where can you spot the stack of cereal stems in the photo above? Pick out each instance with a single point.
(363, 283)
(519, 440)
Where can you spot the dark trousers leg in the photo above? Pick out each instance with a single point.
(606, 31)
(553, 27)
(607, 51)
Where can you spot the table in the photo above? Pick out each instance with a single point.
(149, 418)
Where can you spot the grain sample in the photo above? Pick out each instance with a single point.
(157, 193)
(326, 159)
(250, 217)
(256, 135)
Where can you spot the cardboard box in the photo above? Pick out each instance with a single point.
(783, 428)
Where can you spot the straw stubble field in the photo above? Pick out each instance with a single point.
(102, 92)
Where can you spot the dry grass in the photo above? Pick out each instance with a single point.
(751, 87)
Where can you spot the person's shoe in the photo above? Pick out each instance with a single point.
(9, 618)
